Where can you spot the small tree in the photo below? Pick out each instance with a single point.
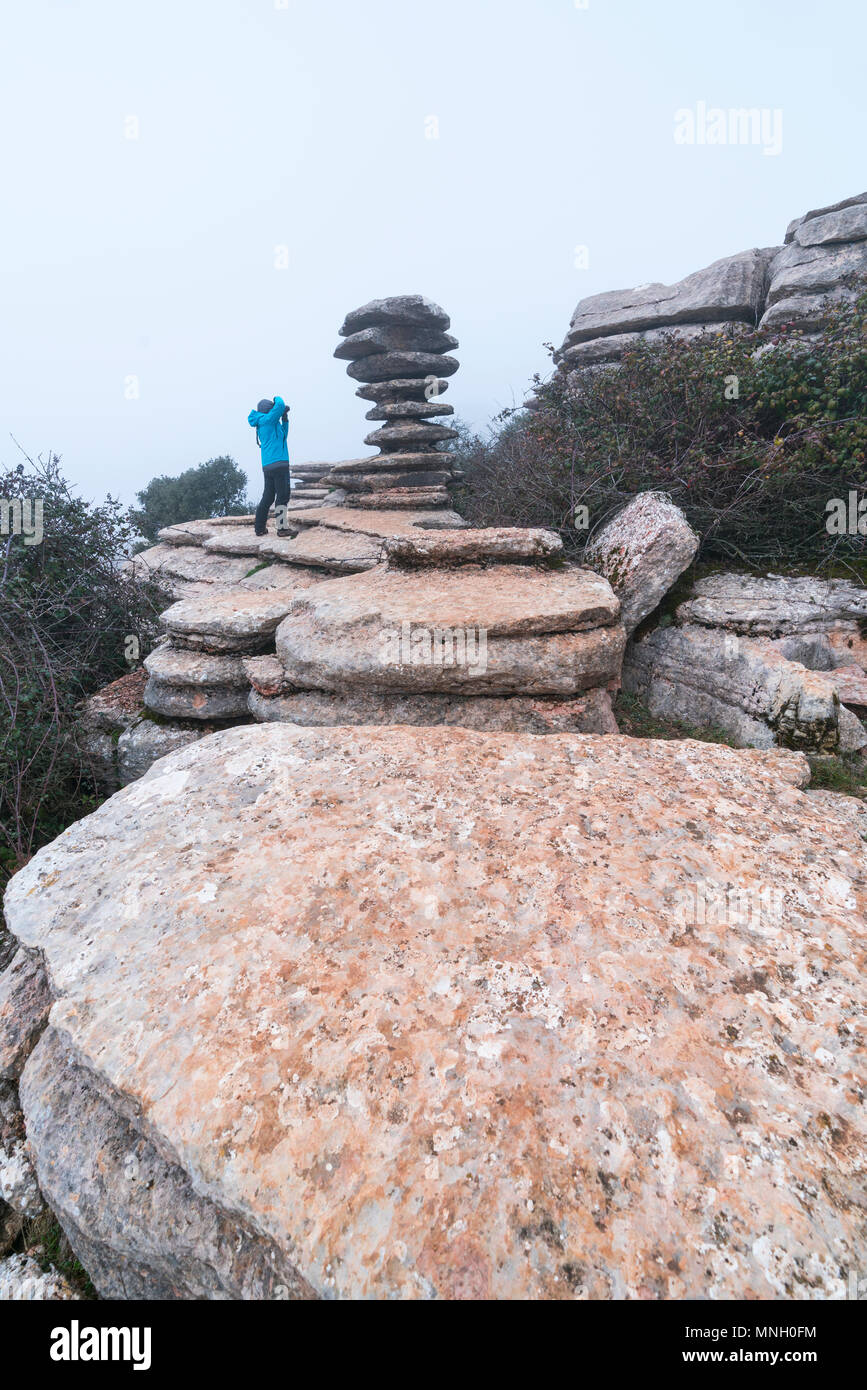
(215, 488)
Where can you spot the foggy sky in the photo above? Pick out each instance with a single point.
(151, 263)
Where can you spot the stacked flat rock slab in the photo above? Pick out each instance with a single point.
(306, 479)
(428, 1013)
(398, 349)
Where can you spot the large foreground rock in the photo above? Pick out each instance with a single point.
(482, 1016)
(642, 552)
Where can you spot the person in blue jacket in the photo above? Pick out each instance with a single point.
(270, 420)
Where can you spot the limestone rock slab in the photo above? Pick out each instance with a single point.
(774, 605)
(478, 1039)
(340, 552)
(729, 289)
(473, 544)
(236, 620)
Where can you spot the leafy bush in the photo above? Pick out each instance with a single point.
(751, 443)
(215, 488)
(66, 614)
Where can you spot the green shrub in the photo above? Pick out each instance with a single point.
(66, 616)
(753, 471)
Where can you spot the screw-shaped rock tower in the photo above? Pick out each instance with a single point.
(396, 348)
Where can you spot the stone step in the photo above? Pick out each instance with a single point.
(170, 665)
(396, 498)
(387, 480)
(340, 552)
(196, 701)
(420, 459)
(379, 522)
(523, 630)
(233, 540)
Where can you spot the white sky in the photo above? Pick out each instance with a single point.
(301, 123)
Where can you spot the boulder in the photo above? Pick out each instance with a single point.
(484, 1016)
(843, 224)
(611, 348)
(404, 389)
(179, 566)
(237, 540)
(408, 436)
(388, 481)
(148, 740)
(383, 522)
(806, 271)
(265, 675)
(642, 552)
(180, 666)
(396, 498)
(401, 409)
(822, 212)
(497, 630)
(398, 462)
(778, 605)
(196, 701)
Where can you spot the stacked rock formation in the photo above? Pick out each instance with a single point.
(823, 257)
(397, 348)
(465, 627)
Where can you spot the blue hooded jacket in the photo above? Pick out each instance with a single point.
(272, 433)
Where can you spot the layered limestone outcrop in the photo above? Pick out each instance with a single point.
(479, 1016)
(420, 620)
(822, 261)
(768, 659)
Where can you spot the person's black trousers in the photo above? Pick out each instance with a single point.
(276, 491)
